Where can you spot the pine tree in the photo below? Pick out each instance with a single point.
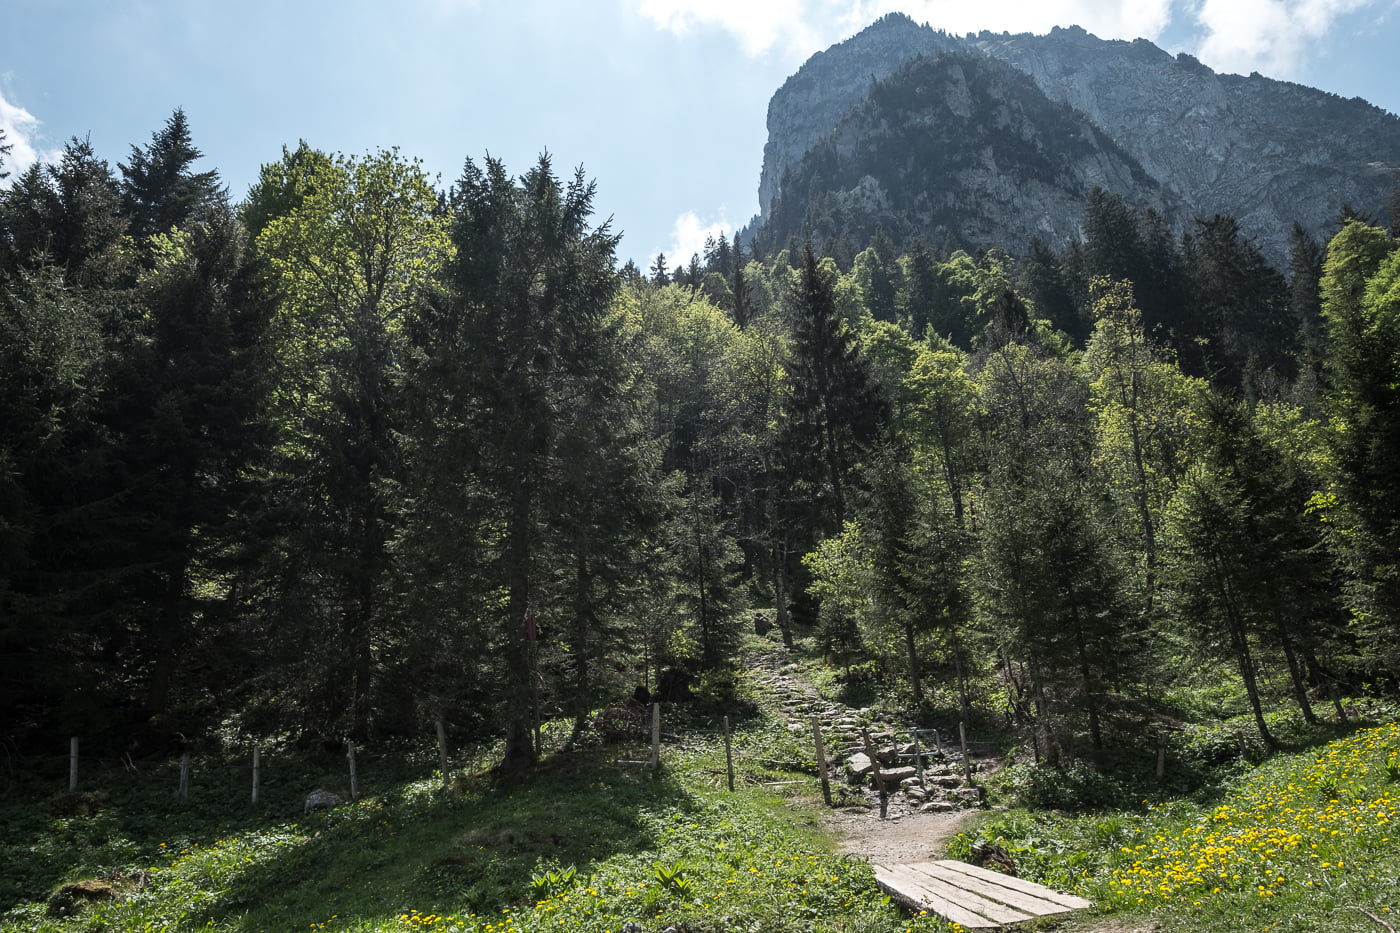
(1241, 301)
(527, 310)
(159, 190)
(186, 400)
(69, 214)
(835, 414)
(1049, 580)
(659, 277)
(1242, 555)
(1043, 283)
(1305, 261)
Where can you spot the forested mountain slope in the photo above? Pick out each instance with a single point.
(958, 148)
(1267, 152)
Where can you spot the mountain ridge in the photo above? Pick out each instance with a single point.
(1268, 152)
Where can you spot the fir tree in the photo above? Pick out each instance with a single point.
(159, 189)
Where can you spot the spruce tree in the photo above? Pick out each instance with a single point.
(835, 413)
(159, 189)
(525, 309)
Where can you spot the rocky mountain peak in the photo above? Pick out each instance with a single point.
(1267, 152)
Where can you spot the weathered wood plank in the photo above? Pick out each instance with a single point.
(1071, 901)
(921, 886)
(972, 897)
(1031, 904)
(899, 887)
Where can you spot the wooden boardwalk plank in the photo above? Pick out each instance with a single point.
(970, 896)
(1070, 901)
(993, 909)
(896, 881)
(1029, 904)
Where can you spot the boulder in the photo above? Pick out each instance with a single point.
(320, 799)
(857, 767)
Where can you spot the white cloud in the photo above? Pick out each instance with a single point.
(21, 134)
(801, 27)
(1270, 36)
(688, 238)
(759, 25)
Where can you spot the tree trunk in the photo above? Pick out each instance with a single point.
(519, 754)
(583, 686)
(1090, 695)
(1239, 642)
(780, 591)
(1295, 671)
(964, 706)
(167, 637)
(914, 681)
(1245, 659)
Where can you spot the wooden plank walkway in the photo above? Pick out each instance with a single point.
(972, 897)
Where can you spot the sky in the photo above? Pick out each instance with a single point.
(661, 102)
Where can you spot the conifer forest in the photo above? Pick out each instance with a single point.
(364, 450)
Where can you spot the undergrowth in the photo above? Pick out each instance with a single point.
(1303, 842)
(586, 844)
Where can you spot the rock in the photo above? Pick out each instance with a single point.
(320, 799)
(78, 803)
(937, 806)
(893, 776)
(1161, 130)
(70, 899)
(857, 767)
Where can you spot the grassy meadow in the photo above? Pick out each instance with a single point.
(1231, 839)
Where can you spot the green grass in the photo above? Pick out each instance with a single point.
(583, 845)
(1296, 844)
(1230, 840)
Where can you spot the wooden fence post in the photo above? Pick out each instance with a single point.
(919, 759)
(967, 762)
(728, 756)
(874, 762)
(821, 759)
(656, 736)
(73, 763)
(257, 772)
(354, 776)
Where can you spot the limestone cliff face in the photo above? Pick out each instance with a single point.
(1268, 152)
(960, 149)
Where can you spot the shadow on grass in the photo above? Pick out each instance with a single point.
(473, 853)
(128, 814)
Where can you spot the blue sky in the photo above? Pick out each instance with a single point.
(662, 102)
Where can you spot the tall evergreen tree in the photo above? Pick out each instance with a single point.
(159, 189)
(1242, 555)
(835, 413)
(1242, 303)
(1048, 577)
(185, 403)
(1305, 261)
(529, 294)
